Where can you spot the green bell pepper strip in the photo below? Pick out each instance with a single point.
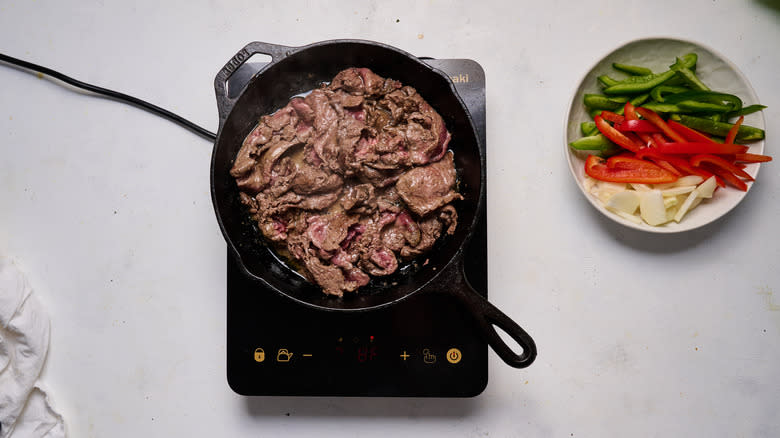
(691, 79)
(632, 69)
(686, 106)
(607, 81)
(663, 107)
(590, 143)
(610, 150)
(596, 143)
(588, 129)
(750, 109)
(713, 97)
(686, 61)
(745, 133)
(657, 93)
(640, 84)
(636, 101)
(597, 101)
(692, 106)
(639, 100)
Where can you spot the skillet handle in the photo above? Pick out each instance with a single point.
(224, 101)
(488, 317)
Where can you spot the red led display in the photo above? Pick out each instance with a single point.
(366, 354)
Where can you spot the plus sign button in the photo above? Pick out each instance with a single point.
(454, 355)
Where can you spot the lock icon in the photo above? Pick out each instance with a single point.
(259, 355)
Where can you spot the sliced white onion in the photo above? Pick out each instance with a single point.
(707, 188)
(641, 187)
(651, 207)
(688, 180)
(674, 191)
(626, 201)
(685, 206)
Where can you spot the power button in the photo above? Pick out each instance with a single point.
(454, 355)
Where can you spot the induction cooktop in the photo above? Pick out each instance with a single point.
(424, 346)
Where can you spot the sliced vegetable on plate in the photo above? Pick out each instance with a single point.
(669, 138)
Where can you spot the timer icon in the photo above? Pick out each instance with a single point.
(454, 355)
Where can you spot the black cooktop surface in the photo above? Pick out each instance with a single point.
(424, 346)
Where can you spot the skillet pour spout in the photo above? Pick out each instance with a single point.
(296, 70)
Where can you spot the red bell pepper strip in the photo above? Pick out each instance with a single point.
(727, 176)
(666, 165)
(752, 158)
(734, 129)
(633, 136)
(629, 111)
(686, 167)
(659, 161)
(627, 170)
(612, 117)
(701, 148)
(616, 136)
(696, 160)
(689, 134)
(636, 126)
(655, 119)
(659, 138)
(680, 163)
(647, 140)
(630, 114)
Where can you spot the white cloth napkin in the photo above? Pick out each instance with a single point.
(25, 410)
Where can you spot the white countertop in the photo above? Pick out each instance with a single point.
(107, 210)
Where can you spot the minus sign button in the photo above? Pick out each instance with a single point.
(307, 355)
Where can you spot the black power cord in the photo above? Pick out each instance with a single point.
(154, 109)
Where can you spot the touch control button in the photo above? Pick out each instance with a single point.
(454, 355)
(283, 355)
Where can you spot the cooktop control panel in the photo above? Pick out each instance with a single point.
(426, 345)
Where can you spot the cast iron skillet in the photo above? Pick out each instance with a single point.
(294, 70)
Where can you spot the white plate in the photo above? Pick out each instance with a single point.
(658, 54)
